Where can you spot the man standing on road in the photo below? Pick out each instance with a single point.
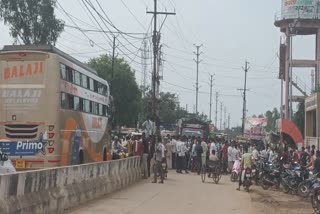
(304, 158)
(230, 163)
(246, 163)
(169, 152)
(204, 152)
(146, 151)
(224, 152)
(199, 152)
(158, 157)
(149, 126)
(174, 152)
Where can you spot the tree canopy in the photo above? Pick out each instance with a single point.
(272, 116)
(32, 22)
(170, 110)
(124, 88)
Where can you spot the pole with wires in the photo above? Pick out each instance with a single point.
(198, 61)
(211, 85)
(244, 110)
(155, 73)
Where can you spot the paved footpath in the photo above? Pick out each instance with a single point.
(180, 194)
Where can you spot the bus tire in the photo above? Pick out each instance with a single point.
(81, 157)
(105, 155)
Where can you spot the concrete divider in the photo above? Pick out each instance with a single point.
(57, 189)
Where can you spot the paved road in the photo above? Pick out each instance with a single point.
(181, 194)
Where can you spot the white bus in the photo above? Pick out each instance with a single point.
(54, 110)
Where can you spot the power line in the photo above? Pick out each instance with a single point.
(104, 31)
(132, 14)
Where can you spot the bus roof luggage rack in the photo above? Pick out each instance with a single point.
(47, 48)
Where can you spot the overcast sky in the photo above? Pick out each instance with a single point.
(230, 31)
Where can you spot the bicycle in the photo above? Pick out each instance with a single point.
(215, 170)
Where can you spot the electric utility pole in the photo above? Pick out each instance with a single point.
(211, 85)
(246, 69)
(113, 56)
(216, 116)
(155, 73)
(225, 118)
(198, 61)
(229, 118)
(221, 115)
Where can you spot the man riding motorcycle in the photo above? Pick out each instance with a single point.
(246, 163)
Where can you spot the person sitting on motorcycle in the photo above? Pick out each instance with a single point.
(246, 163)
(317, 163)
(116, 147)
(213, 156)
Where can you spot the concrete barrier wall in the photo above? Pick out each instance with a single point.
(55, 190)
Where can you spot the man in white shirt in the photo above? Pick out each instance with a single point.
(148, 124)
(174, 152)
(204, 152)
(271, 155)
(179, 156)
(255, 153)
(230, 160)
(213, 146)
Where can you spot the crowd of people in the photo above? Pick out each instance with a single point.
(188, 154)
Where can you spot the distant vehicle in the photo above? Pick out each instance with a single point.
(192, 127)
(54, 110)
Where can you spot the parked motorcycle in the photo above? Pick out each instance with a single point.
(270, 176)
(293, 177)
(247, 179)
(315, 197)
(305, 187)
(236, 170)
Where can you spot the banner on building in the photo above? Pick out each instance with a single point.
(255, 128)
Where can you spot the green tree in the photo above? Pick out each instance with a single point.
(170, 110)
(124, 88)
(33, 22)
(272, 116)
(299, 116)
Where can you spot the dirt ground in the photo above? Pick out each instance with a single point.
(277, 202)
(186, 194)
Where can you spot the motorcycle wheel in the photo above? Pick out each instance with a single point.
(246, 186)
(234, 177)
(304, 189)
(285, 187)
(264, 183)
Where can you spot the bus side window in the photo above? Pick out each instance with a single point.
(77, 77)
(63, 71)
(91, 84)
(76, 103)
(84, 81)
(105, 111)
(64, 100)
(86, 106)
(71, 101)
(100, 109)
(95, 108)
(95, 86)
(69, 74)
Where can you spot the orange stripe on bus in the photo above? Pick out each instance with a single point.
(71, 124)
(93, 155)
